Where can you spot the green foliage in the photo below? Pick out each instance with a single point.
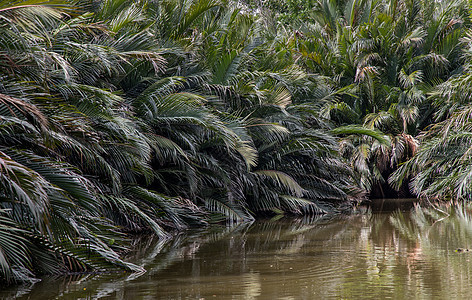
(121, 117)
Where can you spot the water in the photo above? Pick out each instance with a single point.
(399, 255)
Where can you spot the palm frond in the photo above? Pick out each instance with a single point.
(283, 180)
(363, 131)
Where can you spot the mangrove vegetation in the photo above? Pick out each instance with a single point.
(151, 116)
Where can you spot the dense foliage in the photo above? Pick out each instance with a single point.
(393, 66)
(119, 117)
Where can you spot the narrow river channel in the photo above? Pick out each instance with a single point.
(418, 253)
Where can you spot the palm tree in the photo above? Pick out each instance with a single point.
(151, 117)
(441, 167)
(69, 147)
(387, 55)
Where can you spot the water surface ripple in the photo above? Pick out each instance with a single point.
(400, 255)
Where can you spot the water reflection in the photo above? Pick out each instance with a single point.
(367, 256)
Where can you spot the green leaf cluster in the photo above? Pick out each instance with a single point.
(121, 117)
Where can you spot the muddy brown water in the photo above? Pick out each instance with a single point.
(410, 253)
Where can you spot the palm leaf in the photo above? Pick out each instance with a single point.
(283, 180)
(359, 130)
